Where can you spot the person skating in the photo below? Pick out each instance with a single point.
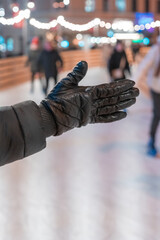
(150, 67)
(49, 61)
(32, 61)
(118, 63)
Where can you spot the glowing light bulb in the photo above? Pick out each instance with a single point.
(79, 36)
(2, 12)
(15, 9)
(108, 25)
(102, 24)
(97, 21)
(31, 5)
(66, 2)
(60, 19)
(147, 26)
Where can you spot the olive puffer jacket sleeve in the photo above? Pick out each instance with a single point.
(21, 131)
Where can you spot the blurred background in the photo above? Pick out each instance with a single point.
(97, 182)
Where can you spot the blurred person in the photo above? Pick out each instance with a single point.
(150, 67)
(107, 51)
(33, 57)
(51, 62)
(135, 51)
(25, 126)
(118, 63)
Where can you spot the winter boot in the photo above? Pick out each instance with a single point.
(151, 150)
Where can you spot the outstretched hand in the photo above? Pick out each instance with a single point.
(75, 106)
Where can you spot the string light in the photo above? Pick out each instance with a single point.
(120, 26)
(40, 25)
(60, 20)
(102, 40)
(23, 14)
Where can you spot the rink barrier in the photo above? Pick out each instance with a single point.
(13, 70)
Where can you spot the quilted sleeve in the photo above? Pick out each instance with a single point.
(21, 132)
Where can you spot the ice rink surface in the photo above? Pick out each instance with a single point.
(93, 183)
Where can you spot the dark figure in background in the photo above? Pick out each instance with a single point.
(118, 63)
(33, 58)
(24, 127)
(135, 50)
(51, 62)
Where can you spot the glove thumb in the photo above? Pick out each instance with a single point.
(78, 73)
(71, 80)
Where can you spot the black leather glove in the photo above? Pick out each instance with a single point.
(68, 105)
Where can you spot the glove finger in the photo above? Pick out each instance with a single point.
(110, 89)
(109, 118)
(131, 93)
(116, 107)
(78, 73)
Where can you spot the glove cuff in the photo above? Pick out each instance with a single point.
(49, 125)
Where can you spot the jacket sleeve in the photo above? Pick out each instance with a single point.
(21, 131)
(145, 65)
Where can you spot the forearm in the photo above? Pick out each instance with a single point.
(24, 127)
(21, 131)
